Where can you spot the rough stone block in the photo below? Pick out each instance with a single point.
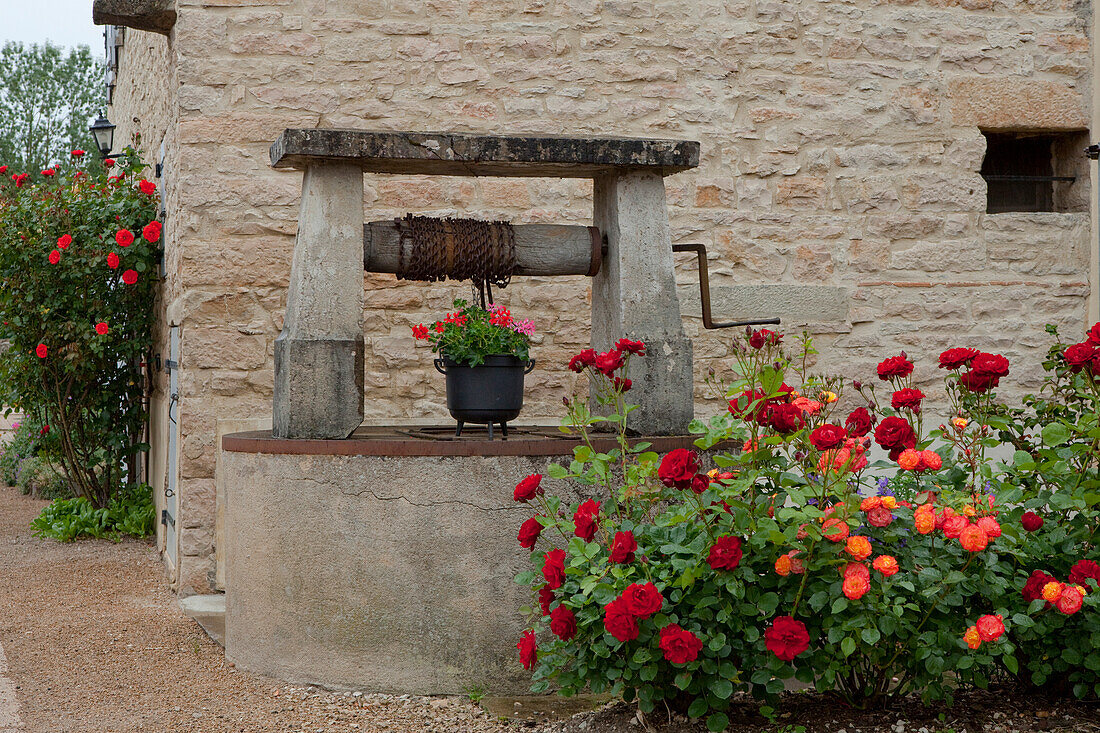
(794, 304)
(318, 387)
(1008, 103)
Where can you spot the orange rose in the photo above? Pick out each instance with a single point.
(959, 423)
(973, 538)
(871, 502)
(925, 522)
(890, 502)
(953, 526)
(797, 567)
(969, 510)
(855, 587)
(930, 460)
(991, 527)
(783, 565)
(909, 460)
(836, 530)
(972, 638)
(1052, 591)
(885, 564)
(990, 627)
(859, 547)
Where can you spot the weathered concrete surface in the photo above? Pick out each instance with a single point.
(318, 390)
(452, 154)
(377, 573)
(156, 16)
(794, 304)
(634, 296)
(208, 611)
(9, 705)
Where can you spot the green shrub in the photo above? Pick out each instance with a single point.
(129, 513)
(30, 438)
(79, 246)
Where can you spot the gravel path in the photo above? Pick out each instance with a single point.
(95, 643)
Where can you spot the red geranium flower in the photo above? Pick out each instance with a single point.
(619, 621)
(64, 241)
(147, 187)
(101, 328)
(124, 237)
(528, 488)
(678, 468)
(679, 645)
(420, 331)
(859, 422)
(725, 553)
(586, 520)
(529, 532)
(553, 568)
(528, 649)
(631, 347)
(623, 547)
(112, 261)
(151, 231)
(895, 366)
(828, 436)
(41, 351)
(787, 638)
(642, 600)
(55, 257)
(907, 399)
(563, 623)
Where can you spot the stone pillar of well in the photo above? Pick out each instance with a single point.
(319, 353)
(634, 296)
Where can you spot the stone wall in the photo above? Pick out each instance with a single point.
(839, 183)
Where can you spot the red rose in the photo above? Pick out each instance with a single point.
(1031, 521)
(1092, 335)
(758, 339)
(978, 383)
(785, 418)
(586, 520)
(631, 347)
(907, 399)
(529, 532)
(880, 516)
(124, 237)
(55, 257)
(546, 597)
(64, 241)
(528, 488)
(147, 187)
(76, 154)
(990, 365)
(787, 638)
(1070, 601)
(151, 233)
(584, 359)
(619, 621)
(1080, 355)
(129, 277)
(528, 649)
(1083, 570)
(101, 328)
(700, 483)
(990, 526)
(828, 436)
(112, 261)
(990, 627)
(750, 405)
(1033, 588)
(3, 169)
(553, 568)
(954, 525)
(642, 600)
(608, 362)
(41, 351)
(859, 422)
(956, 358)
(895, 434)
(48, 172)
(678, 468)
(895, 366)
(563, 623)
(623, 547)
(679, 645)
(725, 553)
(621, 385)
(108, 162)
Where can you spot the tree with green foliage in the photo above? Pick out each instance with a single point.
(47, 98)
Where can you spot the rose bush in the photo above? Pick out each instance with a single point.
(78, 273)
(800, 557)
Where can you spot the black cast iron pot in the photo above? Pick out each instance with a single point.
(489, 393)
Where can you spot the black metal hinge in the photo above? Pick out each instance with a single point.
(166, 518)
(1092, 152)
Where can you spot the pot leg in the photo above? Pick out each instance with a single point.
(504, 429)
(458, 430)
(490, 431)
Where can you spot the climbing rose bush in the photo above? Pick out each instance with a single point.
(838, 539)
(79, 246)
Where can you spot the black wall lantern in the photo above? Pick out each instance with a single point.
(104, 132)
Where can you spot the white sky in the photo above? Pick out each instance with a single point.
(62, 22)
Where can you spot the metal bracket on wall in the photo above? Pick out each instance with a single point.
(704, 291)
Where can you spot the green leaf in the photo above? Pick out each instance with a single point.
(847, 646)
(698, 707)
(1055, 434)
(722, 688)
(556, 471)
(871, 635)
(717, 722)
(1011, 664)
